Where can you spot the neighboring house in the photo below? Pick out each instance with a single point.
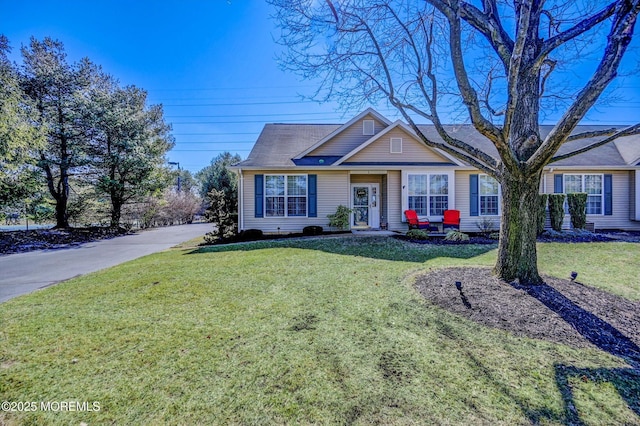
(297, 174)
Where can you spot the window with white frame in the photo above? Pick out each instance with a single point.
(368, 127)
(592, 185)
(489, 196)
(285, 195)
(428, 193)
(395, 146)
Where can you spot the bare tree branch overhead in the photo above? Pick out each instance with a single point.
(504, 63)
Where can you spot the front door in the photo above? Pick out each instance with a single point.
(365, 202)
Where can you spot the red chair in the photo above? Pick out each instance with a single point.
(451, 219)
(414, 222)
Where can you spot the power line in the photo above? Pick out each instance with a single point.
(208, 150)
(240, 104)
(214, 143)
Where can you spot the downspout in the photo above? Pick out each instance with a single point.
(240, 201)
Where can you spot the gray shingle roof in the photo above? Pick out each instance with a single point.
(279, 143)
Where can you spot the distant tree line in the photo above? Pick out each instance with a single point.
(76, 146)
(72, 135)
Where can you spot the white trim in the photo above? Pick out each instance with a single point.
(241, 202)
(285, 196)
(366, 131)
(398, 144)
(409, 131)
(451, 188)
(637, 194)
(373, 217)
(564, 190)
(342, 128)
(480, 198)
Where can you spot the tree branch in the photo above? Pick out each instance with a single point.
(592, 134)
(513, 73)
(617, 42)
(489, 24)
(469, 95)
(632, 130)
(580, 28)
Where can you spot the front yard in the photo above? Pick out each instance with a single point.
(312, 331)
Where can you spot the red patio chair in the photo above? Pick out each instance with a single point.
(414, 222)
(451, 219)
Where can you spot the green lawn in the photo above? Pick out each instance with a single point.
(313, 331)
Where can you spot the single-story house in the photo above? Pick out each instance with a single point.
(297, 174)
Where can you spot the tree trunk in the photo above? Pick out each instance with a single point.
(62, 218)
(116, 209)
(517, 256)
(117, 200)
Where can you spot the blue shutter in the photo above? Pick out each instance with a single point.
(608, 195)
(558, 184)
(259, 192)
(474, 196)
(312, 188)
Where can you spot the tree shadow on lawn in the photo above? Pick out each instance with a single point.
(625, 380)
(603, 335)
(383, 248)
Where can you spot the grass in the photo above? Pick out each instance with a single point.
(310, 331)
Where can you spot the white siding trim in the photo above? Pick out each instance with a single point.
(451, 183)
(368, 127)
(395, 146)
(637, 195)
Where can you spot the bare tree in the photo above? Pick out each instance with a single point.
(502, 61)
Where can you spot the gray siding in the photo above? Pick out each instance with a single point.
(412, 150)
(394, 202)
(349, 139)
(622, 192)
(333, 190)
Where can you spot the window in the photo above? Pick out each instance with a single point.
(368, 127)
(489, 195)
(428, 194)
(592, 185)
(395, 146)
(285, 195)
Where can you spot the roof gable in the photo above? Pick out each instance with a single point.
(377, 149)
(347, 137)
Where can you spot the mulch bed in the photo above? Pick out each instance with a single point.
(560, 311)
(46, 239)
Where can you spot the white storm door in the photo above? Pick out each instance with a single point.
(365, 202)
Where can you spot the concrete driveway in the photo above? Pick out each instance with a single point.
(23, 273)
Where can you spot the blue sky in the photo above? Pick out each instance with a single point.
(209, 62)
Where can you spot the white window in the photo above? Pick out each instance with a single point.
(428, 194)
(592, 185)
(395, 146)
(489, 196)
(368, 127)
(285, 195)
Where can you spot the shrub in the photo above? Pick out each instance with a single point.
(486, 225)
(455, 235)
(219, 213)
(494, 235)
(542, 212)
(340, 219)
(556, 211)
(418, 234)
(250, 235)
(578, 209)
(312, 230)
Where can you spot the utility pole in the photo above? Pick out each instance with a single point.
(176, 163)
